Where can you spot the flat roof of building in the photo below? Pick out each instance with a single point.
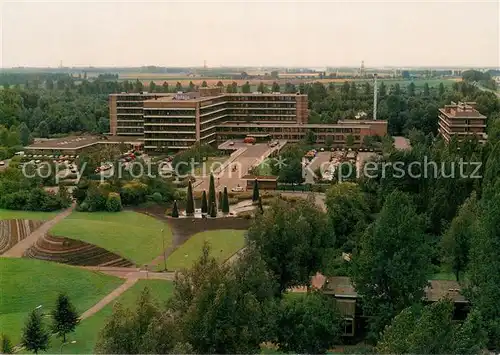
(195, 96)
(454, 113)
(140, 93)
(79, 142)
(341, 286)
(260, 178)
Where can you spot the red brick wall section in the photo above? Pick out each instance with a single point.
(379, 128)
(301, 107)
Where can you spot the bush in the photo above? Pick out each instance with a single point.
(134, 193)
(114, 202)
(233, 201)
(157, 197)
(246, 214)
(96, 200)
(83, 207)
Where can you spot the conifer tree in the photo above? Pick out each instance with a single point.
(255, 196)
(204, 204)
(213, 210)
(175, 210)
(190, 200)
(7, 347)
(225, 202)
(35, 337)
(211, 192)
(219, 201)
(64, 316)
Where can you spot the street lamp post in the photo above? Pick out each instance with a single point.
(60, 349)
(164, 252)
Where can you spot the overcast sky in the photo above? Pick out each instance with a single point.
(250, 33)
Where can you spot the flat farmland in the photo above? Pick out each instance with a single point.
(172, 80)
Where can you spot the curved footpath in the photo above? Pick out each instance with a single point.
(18, 250)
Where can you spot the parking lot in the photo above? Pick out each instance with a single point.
(244, 157)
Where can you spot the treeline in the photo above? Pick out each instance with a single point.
(482, 78)
(43, 113)
(405, 108)
(18, 192)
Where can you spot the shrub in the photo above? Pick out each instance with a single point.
(157, 197)
(95, 199)
(233, 201)
(134, 193)
(244, 195)
(246, 215)
(114, 202)
(80, 193)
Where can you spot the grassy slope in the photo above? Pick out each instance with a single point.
(132, 235)
(27, 283)
(87, 332)
(10, 214)
(223, 243)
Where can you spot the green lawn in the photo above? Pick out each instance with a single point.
(443, 276)
(11, 214)
(87, 332)
(131, 235)
(223, 244)
(212, 163)
(28, 283)
(265, 169)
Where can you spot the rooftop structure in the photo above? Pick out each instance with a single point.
(176, 121)
(77, 144)
(462, 120)
(346, 298)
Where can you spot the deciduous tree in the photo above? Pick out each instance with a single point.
(391, 266)
(290, 238)
(457, 240)
(308, 325)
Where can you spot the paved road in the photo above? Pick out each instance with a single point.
(18, 250)
(244, 159)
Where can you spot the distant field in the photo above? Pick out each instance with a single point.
(87, 332)
(132, 235)
(223, 244)
(28, 283)
(159, 79)
(10, 214)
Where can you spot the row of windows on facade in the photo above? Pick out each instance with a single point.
(257, 120)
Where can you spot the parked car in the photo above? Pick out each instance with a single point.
(2, 163)
(231, 143)
(237, 189)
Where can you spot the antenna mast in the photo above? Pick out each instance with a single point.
(375, 96)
